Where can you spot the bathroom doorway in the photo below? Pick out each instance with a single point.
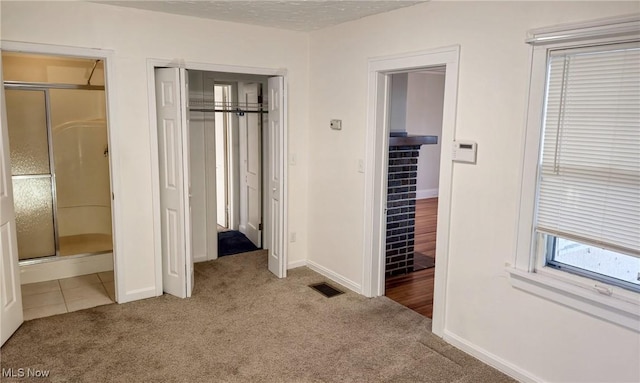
(60, 169)
(415, 115)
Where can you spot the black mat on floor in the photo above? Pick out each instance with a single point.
(422, 261)
(233, 242)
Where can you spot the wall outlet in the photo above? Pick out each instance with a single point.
(292, 236)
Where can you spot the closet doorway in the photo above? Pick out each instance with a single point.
(221, 149)
(227, 114)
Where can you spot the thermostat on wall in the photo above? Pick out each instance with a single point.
(464, 151)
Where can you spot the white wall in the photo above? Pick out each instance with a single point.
(538, 338)
(398, 103)
(425, 98)
(135, 36)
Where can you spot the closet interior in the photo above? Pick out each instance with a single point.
(227, 113)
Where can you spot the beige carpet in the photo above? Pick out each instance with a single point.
(243, 325)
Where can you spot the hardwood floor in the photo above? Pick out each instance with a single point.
(426, 224)
(415, 290)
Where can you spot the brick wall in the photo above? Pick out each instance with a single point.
(401, 208)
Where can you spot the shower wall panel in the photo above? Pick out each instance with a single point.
(80, 148)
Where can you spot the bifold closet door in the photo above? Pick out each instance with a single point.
(173, 156)
(251, 166)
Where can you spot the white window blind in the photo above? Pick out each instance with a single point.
(589, 185)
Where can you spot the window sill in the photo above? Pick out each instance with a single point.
(618, 307)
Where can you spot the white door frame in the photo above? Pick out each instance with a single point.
(112, 129)
(153, 133)
(377, 144)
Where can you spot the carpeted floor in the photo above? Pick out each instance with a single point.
(243, 325)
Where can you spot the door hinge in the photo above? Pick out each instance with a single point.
(260, 226)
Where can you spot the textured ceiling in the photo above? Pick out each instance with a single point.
(302, 15)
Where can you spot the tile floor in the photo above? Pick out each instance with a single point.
(60, 296)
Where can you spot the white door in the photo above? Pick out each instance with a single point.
(173, 152)
(276, 172)
(10, 296)
(251, 166)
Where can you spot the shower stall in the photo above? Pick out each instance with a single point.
(59, 161)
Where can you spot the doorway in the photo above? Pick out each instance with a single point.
(259, 154)
(378, 141)
(227, 115)
(58, 144)
(415, 103)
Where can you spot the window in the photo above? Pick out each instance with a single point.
(579, 229)
(589, 171)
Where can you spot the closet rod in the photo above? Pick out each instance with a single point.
(237, 111)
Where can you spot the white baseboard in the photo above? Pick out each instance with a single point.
(295, 264)
(490, 359)
(200, 258)
(65, 268)
(351, 285)
(426, 193)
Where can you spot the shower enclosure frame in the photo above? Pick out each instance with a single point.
(45, 88)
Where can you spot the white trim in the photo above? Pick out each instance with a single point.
(200, 258)
(376, 169)
(529, 166)
(153, 133)
(595, 29)
(155, 173)
(426, 193)
(580, 294)
(65, 268)
(296, 264)
(113, 127)
(283, 164)
(346, 282)
(492, 360)
(528, 272)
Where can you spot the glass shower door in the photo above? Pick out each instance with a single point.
(31, 172)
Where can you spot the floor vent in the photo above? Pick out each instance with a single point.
(326, 289)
